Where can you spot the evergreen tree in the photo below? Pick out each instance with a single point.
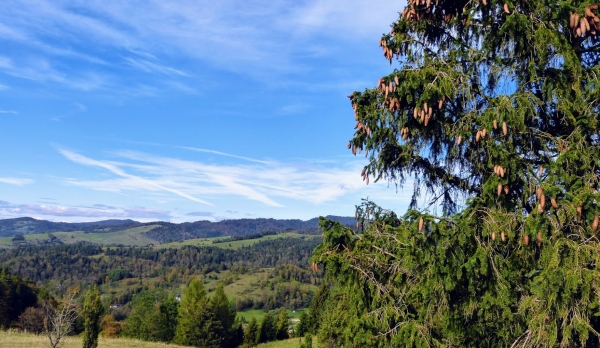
(236, 337)
(92, 312)
(307, 341)
(317, 306)
(169, 308)
(142, 307)
(251, 333)
(304, 325)
(225, 313)
(282, 325)
(268, 329)
(493, 113)
(198, 325)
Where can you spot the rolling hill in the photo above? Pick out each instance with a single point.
(163, 232)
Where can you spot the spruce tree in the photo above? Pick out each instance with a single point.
(282, 325)
(268, 329)
(251, 333)
(304, 325)
(198, 325)
(92, 312)
(225, 313)
(491, 114)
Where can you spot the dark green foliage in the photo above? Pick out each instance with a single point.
(494, 115)
(317, 307)
(198, 324)
(92, 312)
(307, 341)
(236, 337)
(153, 317)
(282, 325)
(169, 232)
(16, 294)
(169, 308)
(268, 329)
(82, 262)
(305, 325)
(251, 333)
(225, 314)
(118, 274)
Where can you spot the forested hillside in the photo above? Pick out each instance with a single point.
(27, 225)
(163, 232)
(268, 274)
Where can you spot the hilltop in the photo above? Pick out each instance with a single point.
(162, 232)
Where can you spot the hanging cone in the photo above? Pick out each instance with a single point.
(495, 123)
(539, 238)
(493, 235)
(579, 213)
(595, 224)
(499, 190)
(421, 222)
(526, 239)
(504, 128)
(502, 236)
(553, 202)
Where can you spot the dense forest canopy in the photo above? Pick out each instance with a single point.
(163, 231)
(492, 110)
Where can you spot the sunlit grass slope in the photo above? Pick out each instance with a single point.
(11, 339)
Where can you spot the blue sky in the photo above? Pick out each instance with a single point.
(186, 110)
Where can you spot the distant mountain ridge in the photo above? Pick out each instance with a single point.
(167, 231)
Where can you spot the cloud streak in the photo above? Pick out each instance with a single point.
(251, 37)
(270, 183)
(16, 181)
(138, 181)
(96, 211)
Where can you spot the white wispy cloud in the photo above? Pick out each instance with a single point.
(250, 37)
(136, 181)
(223, 154)
(8, 112)
(16, 181)
(265, 182)
(153, 67)
(97, 211)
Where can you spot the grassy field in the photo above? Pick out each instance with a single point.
(12, 339)
(258, 314)
(234, 244)
(291, 343)
(136, 237)
(133, 236)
